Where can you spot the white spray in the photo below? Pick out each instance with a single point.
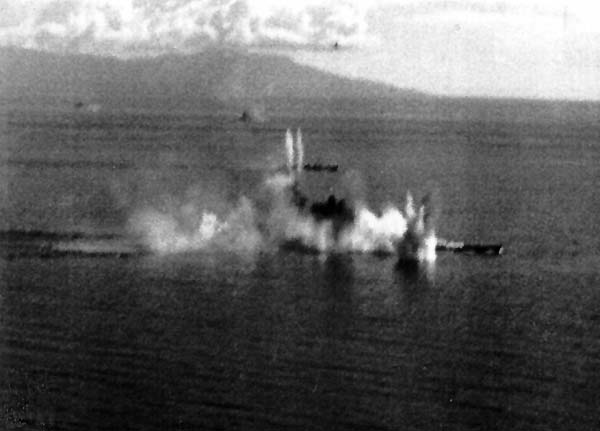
(181, 229)
(289, 149)
(299, 151)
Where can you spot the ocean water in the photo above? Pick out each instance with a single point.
(142, 286)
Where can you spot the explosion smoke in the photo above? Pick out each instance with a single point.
(257, 224)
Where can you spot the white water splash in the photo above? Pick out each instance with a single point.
(371, 233)
(246, 229)
(289, 149)
(419, 241)
(394, 231)
(299, 151)
(179, 231)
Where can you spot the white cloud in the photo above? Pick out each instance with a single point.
(540, 48)
(511, 48)
(125, 27)
(579, 15)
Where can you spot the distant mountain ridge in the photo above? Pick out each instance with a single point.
(232, 82)
(208, 81)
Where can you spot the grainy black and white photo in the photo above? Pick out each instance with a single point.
(307, 215)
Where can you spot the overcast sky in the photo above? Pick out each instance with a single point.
(506, 48)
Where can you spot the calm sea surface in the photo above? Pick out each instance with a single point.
(221, 338)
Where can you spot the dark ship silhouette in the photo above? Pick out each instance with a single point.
(317, 167)
(245, 117)
(338, 211)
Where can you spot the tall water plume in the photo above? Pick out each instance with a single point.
(299, 151)
(289, 149)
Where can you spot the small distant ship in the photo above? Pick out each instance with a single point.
(295, 150)
(253, 114)
(317, 167)
(89, 107)
(245, 117)
(461, 247)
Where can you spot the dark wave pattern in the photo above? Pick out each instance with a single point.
(73, 164)
(82, 164)
(158, 344)
(278, 340)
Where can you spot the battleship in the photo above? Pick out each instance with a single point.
(419, 237)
